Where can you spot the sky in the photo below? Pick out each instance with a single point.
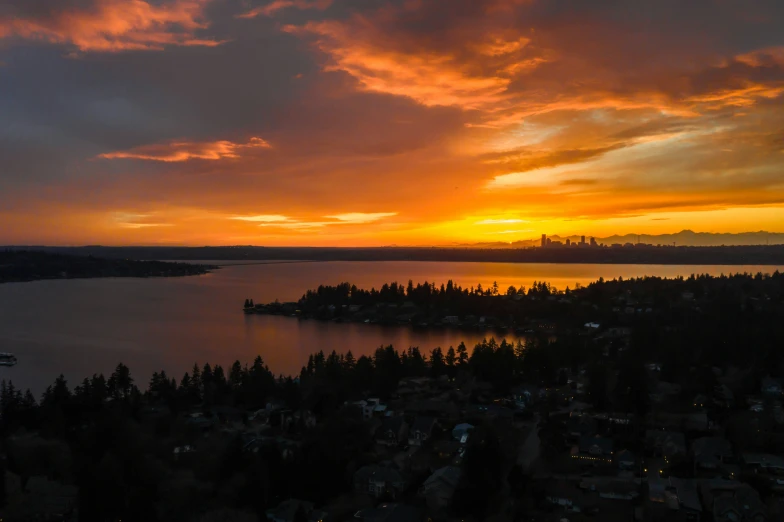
(387, 122)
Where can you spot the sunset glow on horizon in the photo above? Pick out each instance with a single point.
(389, 122)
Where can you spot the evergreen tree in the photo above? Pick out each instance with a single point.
(121, 381)
(185, 383)
(99, 389)
(235, 375)
(462, 354)
(206, 376)
(349, 363)
(451, 359)
(437, 365)
(29, 402)
(155, 383)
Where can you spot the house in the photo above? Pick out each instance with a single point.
(733, 502)
(730, 501)
(390, 512)
(700, 400)
(613, 489)
(393, 431)
(442, 409)
(228, 415)
(711, 452)
(664, 390)
(362, 409)
(490, 411)
(622, 419)
(461, 432)
(694, 421)
(298, 420)
(422, 461)
(289, 511)
(750, 504)
(448, 449)
(200, 422)
(524, 396)
(378, 481)
(667, 444)
(594, 449)
(723, 396)
(286, 447)
(180, 451)
(725, 509)
(564, 495)
(626, 460)
(771, 387)
(370, 408)
(580, 426)
(763, 463)
(440, 487)
(687, 497)
(421, 430)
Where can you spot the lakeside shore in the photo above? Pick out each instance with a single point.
(620, 254)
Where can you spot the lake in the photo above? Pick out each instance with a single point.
(86, 326)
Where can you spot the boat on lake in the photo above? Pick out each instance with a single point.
(7, 359)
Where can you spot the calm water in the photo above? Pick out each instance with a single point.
(79, 327)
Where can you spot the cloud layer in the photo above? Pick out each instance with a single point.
(184, 150)
(107, 25)
(248, 121)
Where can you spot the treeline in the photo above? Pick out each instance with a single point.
(334, 378)
(446, 299)
(114, 439)
(423, 293)
(451, 294)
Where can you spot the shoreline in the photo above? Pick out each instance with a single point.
(772, 255)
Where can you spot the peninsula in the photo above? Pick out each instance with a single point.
(540, 308)
(22, 266)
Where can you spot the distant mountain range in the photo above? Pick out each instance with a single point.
(682, 238)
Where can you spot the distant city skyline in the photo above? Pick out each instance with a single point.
(335, 123)
(682, 238)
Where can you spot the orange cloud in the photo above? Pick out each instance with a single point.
(508, 77)
(428, 77)
(272, 8)
(136, 221)
(771, 56)
(362, 217)
(500, 46)
(186, 150)
(286, 222)
(116, 25)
